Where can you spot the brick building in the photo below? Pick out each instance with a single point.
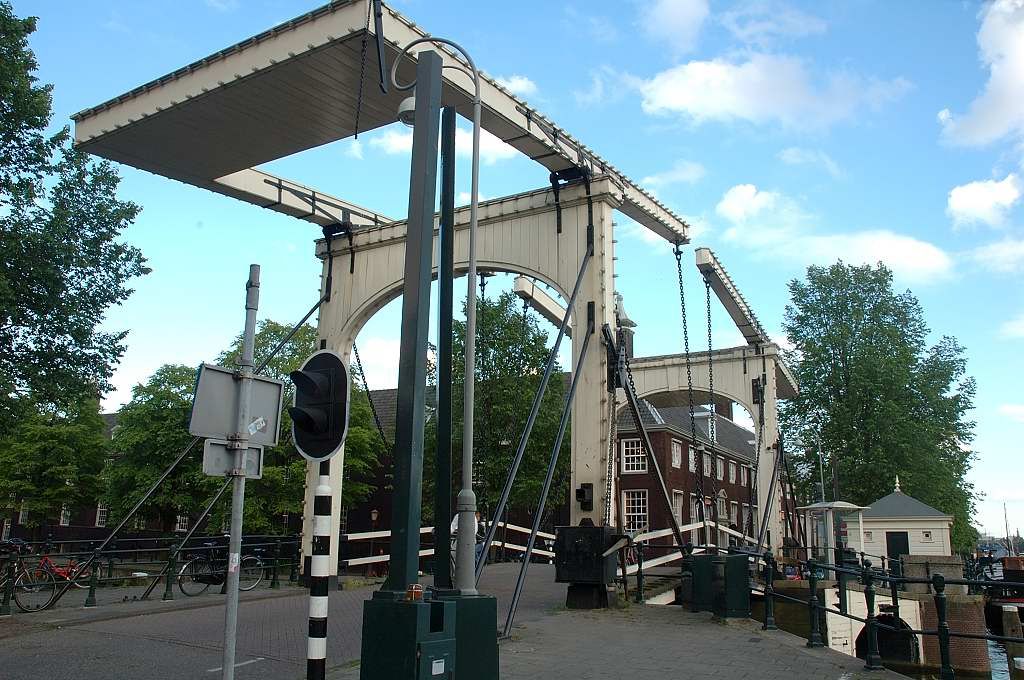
(727, 472)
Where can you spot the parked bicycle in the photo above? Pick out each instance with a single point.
(209, 568)
(34, 587)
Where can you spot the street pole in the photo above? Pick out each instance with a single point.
(239, 442)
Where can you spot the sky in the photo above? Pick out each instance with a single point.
(786, 133)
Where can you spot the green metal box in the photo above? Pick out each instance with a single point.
(476, 628)
(405, 639)
(701, 593)
(730, 582)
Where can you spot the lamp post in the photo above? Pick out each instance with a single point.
(465, 548)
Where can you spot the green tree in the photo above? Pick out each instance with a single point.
(152, 430)
(876, 397)
(511, 353)
(49, 461)
(61, 263)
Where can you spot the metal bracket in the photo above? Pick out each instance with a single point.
(567, 177)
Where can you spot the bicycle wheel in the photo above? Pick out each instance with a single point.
(34, 589)
(195, 576)
(250, 572)
(79, 575)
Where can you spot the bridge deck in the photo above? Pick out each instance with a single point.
(182, 639)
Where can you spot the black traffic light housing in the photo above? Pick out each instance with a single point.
(585, 496)
(320, 411)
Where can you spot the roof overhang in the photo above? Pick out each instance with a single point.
(296, 87)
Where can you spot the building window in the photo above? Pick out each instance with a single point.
(720, 468)
(707, 464)
(732, 472)
(139, 522)
(721, 510)
(744, 516)
(65, 515)
(734, 513)
(677, 454)
(182, 523)
(23, 515)
(5, 535)
(678, 504)
(693, 459)
(635, 509)
(744, 475)
(926, 537)
(102, 512)
(868, 536)
(633, 458)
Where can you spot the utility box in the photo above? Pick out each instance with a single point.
(578, 555)
(730, 583)
(580, 562)
(700, 597)
(419, 644)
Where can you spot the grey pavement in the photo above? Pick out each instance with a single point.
(182, 639)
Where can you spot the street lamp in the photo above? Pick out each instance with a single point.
(465, 549)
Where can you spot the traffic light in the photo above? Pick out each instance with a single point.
(320, 413)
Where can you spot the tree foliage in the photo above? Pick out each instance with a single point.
(879, 399)
(61, 263)
(49, 461)
(511, 352)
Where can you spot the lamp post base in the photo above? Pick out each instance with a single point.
(476, 633)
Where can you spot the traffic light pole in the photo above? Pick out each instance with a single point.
(239, 441)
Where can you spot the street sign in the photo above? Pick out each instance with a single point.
(219, 460)
(320, 413)
(215, 406)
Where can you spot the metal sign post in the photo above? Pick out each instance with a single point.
(238, 441)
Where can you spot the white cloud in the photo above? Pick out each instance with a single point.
(795, 155)
(1014, 328)
(518, 85)
(1013, 411)
(762, 23)
(355, 150)
(594, 94)
(597, 27)
(999, 110)
(765, 88)
(1006, 256)
(676, 22)
(682, 172)
(774, 225)
(744, 201)
(223, 5)
(985, 201)
(463, 198)
(379, 356)
(394, 142)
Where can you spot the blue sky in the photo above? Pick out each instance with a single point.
(787, 133)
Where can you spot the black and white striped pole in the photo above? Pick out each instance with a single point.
(319, 426)
(319, 577)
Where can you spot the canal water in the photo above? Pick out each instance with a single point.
(997, 661)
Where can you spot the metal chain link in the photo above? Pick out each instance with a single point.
(362, 65)
(610, 463)
(369, 397)
(712, 434)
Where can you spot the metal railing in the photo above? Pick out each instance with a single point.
(869, 576)
(133, 561)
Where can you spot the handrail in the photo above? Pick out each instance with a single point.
(867, 576)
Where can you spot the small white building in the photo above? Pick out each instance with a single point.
(899, 524)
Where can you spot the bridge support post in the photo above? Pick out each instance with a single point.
(872, 660)
(946, 667)
(814, 638)
(769, 592)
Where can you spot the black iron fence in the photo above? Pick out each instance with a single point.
(44, 572)
(871, 578)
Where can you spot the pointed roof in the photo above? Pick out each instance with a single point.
(899, 504)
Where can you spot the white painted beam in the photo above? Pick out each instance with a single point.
(542, 303)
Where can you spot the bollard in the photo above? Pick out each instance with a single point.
(872, 660)
(639, 548)
(293, 574)
(769, 592)
(172, 567)
(946, 668)
(110, 566)
(94, 575)
(814, 639)
(5, 605)
(274, 583)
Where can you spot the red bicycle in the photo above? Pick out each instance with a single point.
(72, 571)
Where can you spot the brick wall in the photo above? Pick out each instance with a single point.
(966, 614)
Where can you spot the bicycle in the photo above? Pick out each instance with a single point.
(34, 589)
(72, 571)
(209, 568)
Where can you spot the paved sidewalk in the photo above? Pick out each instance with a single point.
(662, 642)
